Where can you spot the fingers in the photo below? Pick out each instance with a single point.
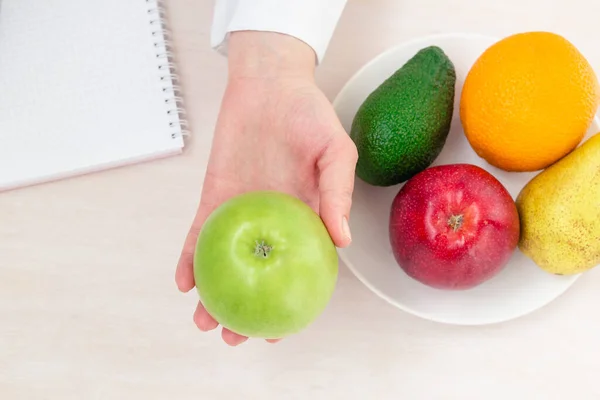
(336, 183)
(206, 323)
(232, 339)
(203, 320)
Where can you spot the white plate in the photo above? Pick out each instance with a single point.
(519, 289)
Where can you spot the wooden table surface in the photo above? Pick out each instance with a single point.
(89, 308)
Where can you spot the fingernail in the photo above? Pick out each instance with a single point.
(346, 228)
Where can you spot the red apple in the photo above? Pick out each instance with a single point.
(453, 226)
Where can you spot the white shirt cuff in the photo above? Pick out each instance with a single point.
(312, 21)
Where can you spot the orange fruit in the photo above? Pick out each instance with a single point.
(528, 101)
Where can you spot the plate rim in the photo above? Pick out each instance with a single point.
(570, 280)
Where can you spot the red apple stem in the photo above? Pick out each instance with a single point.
(455, 222)
(262, 250)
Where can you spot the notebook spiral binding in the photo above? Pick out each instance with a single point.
(167, 67)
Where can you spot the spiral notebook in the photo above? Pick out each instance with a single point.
(85, 85)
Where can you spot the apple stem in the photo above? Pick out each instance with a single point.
(262, 249)
(455, 222)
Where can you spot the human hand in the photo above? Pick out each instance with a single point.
(276, 131)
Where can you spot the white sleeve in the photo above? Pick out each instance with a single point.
(312, 21)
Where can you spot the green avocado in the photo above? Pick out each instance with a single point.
(402, 126)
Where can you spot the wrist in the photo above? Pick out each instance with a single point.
(269, 55)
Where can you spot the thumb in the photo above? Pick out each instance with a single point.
(336, 183)
(184, 273)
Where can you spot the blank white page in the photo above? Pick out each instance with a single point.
(81, 88)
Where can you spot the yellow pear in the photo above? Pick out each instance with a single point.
(560, 213)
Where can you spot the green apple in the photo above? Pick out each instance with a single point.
(265, 265)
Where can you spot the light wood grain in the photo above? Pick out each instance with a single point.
(89, 308)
